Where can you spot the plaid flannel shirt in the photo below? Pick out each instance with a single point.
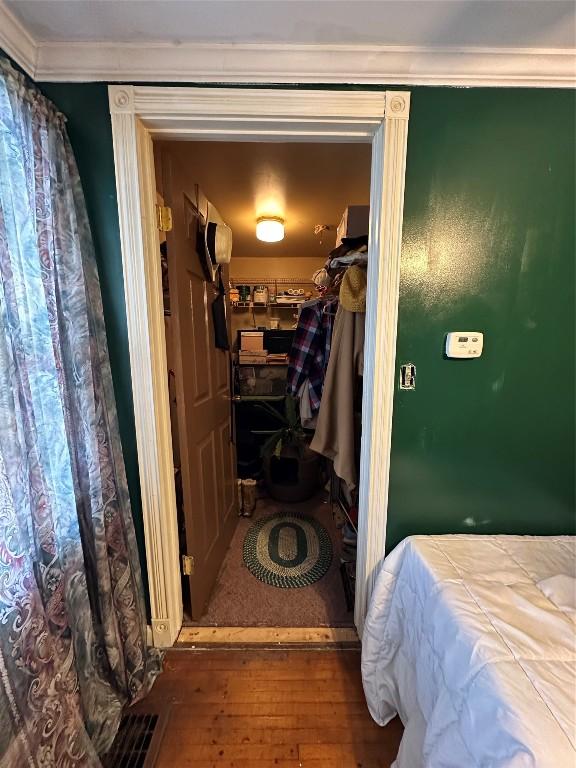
(308, 358)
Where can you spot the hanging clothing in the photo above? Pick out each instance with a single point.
(351, 258)
(348, 245)
(310, 349)
(219, 322)
(72, 619)
(307, 416)
(351, 251)
(336, 435)
(353, 289)
(321, 279)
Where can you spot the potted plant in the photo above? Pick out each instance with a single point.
(291, 470)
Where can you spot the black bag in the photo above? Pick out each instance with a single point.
(219, 317)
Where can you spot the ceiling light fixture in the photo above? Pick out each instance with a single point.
(270, 229)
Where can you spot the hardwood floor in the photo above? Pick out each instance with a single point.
(267, 636)
(279, 708)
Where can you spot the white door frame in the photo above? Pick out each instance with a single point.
(140, 113)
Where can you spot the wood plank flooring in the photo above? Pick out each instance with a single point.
(268, 709)
(267, 636)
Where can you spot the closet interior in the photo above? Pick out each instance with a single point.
(264, 252)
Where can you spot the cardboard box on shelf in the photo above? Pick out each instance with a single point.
(354, 222)
(252, 357)
(251, 341)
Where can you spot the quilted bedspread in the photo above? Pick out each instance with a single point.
(471, 640)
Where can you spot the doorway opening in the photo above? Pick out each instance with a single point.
(141, 114)
(265, 346)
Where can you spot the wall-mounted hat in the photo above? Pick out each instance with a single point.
(353, 289)
(217, 242)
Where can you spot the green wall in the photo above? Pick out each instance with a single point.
(487, 445)
(484, 445)
(88, 121)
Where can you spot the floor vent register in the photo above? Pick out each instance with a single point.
(137, 742)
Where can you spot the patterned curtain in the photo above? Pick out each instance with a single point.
(72, 623)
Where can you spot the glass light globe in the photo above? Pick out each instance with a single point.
(269, 229)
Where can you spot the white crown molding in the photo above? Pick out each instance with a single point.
(264, 63)
(17, 42)
(284, 63)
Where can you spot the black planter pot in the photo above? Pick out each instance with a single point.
(292, 477)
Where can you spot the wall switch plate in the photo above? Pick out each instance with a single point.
(464, 344)
(408, 376)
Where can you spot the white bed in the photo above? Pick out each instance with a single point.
(471, 640)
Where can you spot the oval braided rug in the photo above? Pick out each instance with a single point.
(287, 550)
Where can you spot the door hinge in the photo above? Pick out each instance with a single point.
(187, 565)
(164, 218)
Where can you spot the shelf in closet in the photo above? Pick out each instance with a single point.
(263, 431)
(251, 305)
(257, 398)
(276, 285)
(236, 281)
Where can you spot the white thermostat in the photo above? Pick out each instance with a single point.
(464, 344)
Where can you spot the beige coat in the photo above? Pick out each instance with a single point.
(335, 435)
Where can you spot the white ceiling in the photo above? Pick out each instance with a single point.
(495, 43)
(439, 23)
(305, 184)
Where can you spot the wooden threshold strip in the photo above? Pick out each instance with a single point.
(270, 636)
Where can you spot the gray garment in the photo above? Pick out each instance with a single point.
(335, 435)
(352, 257)
(307, 418)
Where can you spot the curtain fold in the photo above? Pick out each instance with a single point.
(72, 621)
